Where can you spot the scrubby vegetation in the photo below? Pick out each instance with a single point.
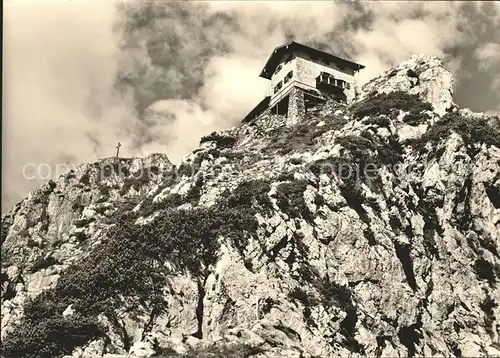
(194, 193)
(138, 179)
(365, 155)
(386, 103)
(85, 179)
(171, 201)
(358, 165)
(286, 176)
(5, 228)
(185, 170)
(301, 295)
(473, 131)
(130, 264)
(351, 176)
(416, 116)
(290, 199)
(192, 168)
(381, 121)
(222, 141)
(302, 136)
(358, 146)
(119, 166)
(43, 262)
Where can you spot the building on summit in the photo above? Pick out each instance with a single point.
(301, 77)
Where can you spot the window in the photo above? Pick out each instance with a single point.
(347, 85)
(326, 77)
(288, 77)
(278, 68)
(278, 86)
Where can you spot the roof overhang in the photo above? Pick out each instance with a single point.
(293, 46)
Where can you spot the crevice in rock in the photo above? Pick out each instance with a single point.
(464, 196)
(9, 292)
(428, 290)
(370, 236)
(333, 294)
(487, 242)
(149, 323)
(457, 352)
(293, 255)
(43, 262)
(290, 333)
(228, 308)
(494, 195)
(365, 280)
(367, 232)
(200, 308)
(484, 270)
(488, 305)
(381, 344)
(273, 253)
(106, 344)
(348, 330)
(409, 230)
(410, 336)
(429, 229)
(431, 224)
(395, 224)
(411, 73)
(124, 335)
(403, 254)
(389, 321)
(44, 219)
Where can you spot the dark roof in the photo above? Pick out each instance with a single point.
(258, 109)
(293, 46)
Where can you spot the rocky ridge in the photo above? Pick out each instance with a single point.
(365, 230)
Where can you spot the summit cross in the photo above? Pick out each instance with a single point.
(118, 149)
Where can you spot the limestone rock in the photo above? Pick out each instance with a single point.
(400, 262)
(421, 74)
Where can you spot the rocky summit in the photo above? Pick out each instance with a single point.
(366, 229)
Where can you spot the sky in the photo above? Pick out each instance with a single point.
(79, 76)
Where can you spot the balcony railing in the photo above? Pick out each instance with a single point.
(327, 81)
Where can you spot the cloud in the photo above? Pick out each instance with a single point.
(176, 126)
(59, 99)
(488, 55)
(80, 76)
(401, 30)
(232, 86)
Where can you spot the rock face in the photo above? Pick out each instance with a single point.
(55, 225)
(360, 231)
(422, 75)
